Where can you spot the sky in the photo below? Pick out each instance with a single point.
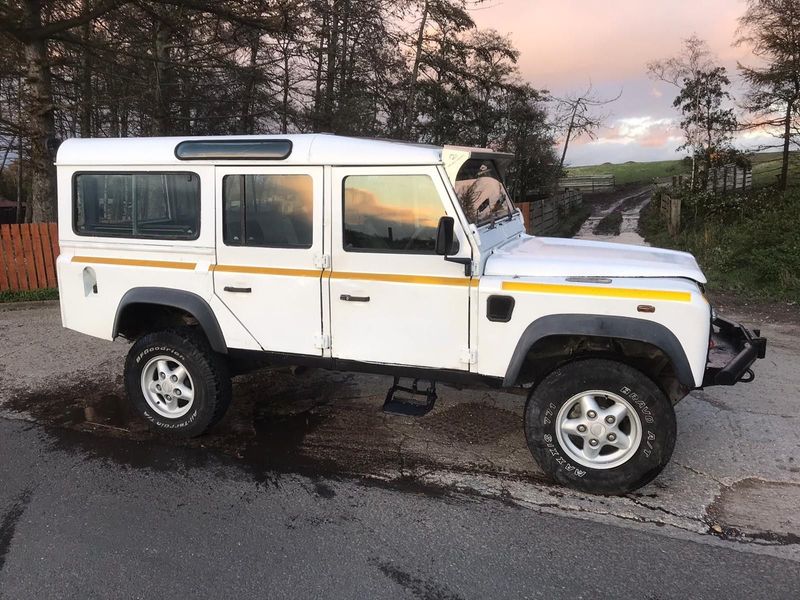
(566, 44)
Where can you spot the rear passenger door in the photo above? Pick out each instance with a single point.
(269, 248)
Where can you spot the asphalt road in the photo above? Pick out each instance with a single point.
(82, 518)
(307, 490)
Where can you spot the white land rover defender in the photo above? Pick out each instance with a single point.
(381, 257)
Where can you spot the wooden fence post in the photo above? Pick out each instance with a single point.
(674, 216)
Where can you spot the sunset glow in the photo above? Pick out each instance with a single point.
(566, 45)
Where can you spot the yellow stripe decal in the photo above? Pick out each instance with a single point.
(421, 279)
(267, 271)
(591, 290)
(131, 262)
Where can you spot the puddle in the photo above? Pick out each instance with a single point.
(321, 423)
(758, 510)
(78, 406)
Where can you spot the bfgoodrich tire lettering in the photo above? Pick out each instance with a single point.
(653, 414)
(210, 380)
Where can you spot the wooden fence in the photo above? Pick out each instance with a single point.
(729, 178)
(543, 216)
(721, 180)
(28, 255)
(671, 213)
(588, 183)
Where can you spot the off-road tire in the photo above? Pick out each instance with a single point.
(209, 372)
(655, 412)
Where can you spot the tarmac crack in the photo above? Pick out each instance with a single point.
(701, 473)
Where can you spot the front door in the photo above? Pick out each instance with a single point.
(392, 299)
(269, 248)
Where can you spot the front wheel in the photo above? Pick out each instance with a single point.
(600, 426)
(177, 382)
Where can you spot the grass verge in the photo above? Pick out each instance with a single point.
(766, 166)
(28, 295)
(749, 246)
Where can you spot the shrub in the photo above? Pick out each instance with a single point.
(749, 243)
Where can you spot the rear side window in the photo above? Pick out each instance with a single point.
(391, 213)
(271, 211)
(137, 205)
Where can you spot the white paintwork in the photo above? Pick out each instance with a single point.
(307, 149)
(689, 321)
(403, 323)
(427, 325)
(283, 312)
(530, 256)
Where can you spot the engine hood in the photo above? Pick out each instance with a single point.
(556, 257)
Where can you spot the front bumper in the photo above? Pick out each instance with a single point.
(732, 351)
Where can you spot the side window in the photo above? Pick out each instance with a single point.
(137, 205)
(391, 213)
(273, 211)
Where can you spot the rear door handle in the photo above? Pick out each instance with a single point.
(349, 298)
(239, 290)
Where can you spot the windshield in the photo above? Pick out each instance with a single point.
(481, 192)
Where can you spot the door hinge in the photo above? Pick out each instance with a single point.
(322, 342)
(322, 261)
(469, 357)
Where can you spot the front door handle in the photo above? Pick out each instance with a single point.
(349, 298)
(239, 290)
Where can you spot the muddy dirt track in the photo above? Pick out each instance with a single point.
(734, 479)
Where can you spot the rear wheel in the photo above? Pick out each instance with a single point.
(600, 426)
(177, 382)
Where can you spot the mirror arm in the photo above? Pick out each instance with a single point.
(467, 262)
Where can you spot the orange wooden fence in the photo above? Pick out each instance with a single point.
(28, 256)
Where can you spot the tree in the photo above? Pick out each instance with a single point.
(39, 26)
(693, 58)
(576, 116)
(525, 130)
(772, 29)
(413, 69)
(708, 119)
(27, 22)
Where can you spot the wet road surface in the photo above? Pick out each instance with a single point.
(85, 518)
(307, 486)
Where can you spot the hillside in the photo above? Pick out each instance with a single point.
(766, 166)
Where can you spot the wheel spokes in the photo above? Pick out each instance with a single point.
(571, 427)
(618, 411)
(589, 406)
(169, 391)
(621, 441)
(591, 452)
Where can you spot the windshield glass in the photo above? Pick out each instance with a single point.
(481, 192)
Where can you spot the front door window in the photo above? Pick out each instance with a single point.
(391, 213)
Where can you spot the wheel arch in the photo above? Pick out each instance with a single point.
(149, 299)
(603, 327)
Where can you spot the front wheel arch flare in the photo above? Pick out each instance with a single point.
(603, 326)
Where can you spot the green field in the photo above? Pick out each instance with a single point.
(766, 166)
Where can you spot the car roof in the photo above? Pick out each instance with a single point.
(306, 149)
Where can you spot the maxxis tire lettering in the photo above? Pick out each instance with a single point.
(651, 405)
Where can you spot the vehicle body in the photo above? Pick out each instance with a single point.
(385, 257)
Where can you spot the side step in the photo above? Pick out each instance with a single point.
(411, 401)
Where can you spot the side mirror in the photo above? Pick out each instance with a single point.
(446, 244)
